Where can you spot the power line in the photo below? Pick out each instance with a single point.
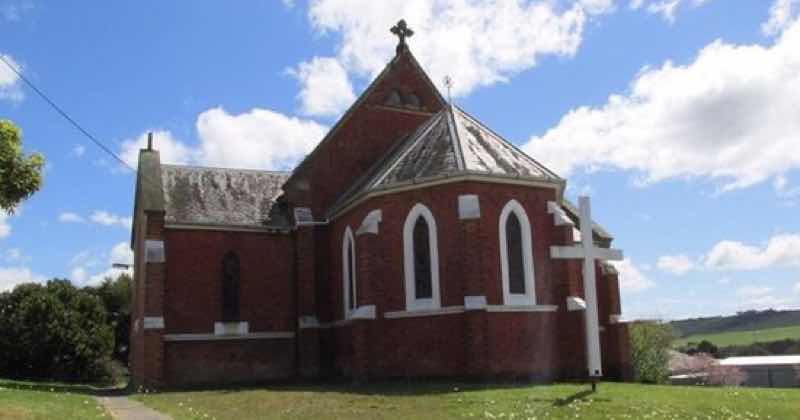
(65, 115)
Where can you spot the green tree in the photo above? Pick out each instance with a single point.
(650, 343)
(20, 175)
(115, 293)
(53, 331)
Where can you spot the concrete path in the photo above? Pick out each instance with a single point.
(123, 408)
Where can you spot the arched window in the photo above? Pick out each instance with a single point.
(412, 101)
(394, 98)
(516, 256)
(349, 272)
(230, 287)
(421, 259)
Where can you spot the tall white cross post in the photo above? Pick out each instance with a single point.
(589, 253)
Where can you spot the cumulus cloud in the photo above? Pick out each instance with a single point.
(797, 288)
(70, 217)
(675, 264)
(325, 87)
(728, 116)
(12, 276)
(477, 43)
(631, 278)
(9, 81)
(667, 9)
(170, 149)
(781, 250)
(781, 13)
(762, 297)
(83, 266)
(78, 151)
(14, 10)
(258, 139)
(105, 218)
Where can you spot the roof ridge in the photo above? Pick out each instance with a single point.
(506, 141)
(222, 168)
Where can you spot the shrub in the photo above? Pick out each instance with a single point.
(53, 331)
(650, 343)
(116, 297)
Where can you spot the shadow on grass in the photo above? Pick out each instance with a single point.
(83, 389)
(388, 388)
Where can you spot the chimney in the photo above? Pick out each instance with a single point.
(150, 141)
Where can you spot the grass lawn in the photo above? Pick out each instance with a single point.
(744, 337)
(24, 400)
(466, 401)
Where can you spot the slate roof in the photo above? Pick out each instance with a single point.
(220, 197)
(450, 143)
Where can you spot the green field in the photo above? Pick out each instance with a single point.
(24, 401)
(744, 337)
(471, 401)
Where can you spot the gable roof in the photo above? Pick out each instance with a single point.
(450, 143)
(402, 53)
(219, 197)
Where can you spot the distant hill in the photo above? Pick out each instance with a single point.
(742, 321)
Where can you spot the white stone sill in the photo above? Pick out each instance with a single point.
(211, 337)
(521, 308)
(447, 310)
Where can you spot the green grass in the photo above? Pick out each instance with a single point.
(470, 401)
(27, 400)
(744, 337)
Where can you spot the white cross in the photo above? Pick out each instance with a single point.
(589, 253)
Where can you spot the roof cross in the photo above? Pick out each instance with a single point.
(402, 31)
(448, 82)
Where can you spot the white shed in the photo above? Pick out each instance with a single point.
(768, 371)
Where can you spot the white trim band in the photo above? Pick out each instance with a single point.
(153, 322)
(212, 337)
(447, 310)
(521, 308)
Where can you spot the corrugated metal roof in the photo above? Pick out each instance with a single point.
(451, 142)
(792, 359)
(219, 197)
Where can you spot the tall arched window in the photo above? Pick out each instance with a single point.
(349, 272)
(230, 287)
(421, 259)
(516, 256)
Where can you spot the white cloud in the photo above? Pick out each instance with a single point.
(12, 276)
(15, 255)
(86, 262)
(797, 288)
(478, 43)
(761, 297)
(782, 250)
(753, 291)
(781, 14)
(631, 279)
(105, 218)
(258, 139)
(78, 150)
(69, 217)
(13, 10)
(9, 81)
(675, 264)
(170, 150)
(728, 116)
(666, 8)
(326, 89)
(5, 227)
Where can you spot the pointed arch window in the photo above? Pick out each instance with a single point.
(516, 256)
(349, 272)
(230, 287)
(421, 259)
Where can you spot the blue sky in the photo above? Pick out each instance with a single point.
(678, 117)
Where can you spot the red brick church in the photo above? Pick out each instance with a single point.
(412, 242)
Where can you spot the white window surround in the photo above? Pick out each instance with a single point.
(412, 303)
(529, 297)
(348, 241)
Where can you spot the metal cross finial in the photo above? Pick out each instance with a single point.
(402, 31)
(448, 82)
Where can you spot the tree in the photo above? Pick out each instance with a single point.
(20, 175)
(650, 342)
(116, 297)
(53, 331)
